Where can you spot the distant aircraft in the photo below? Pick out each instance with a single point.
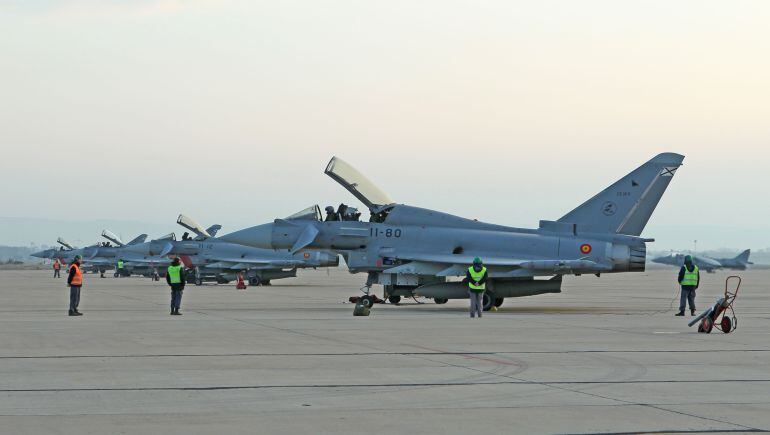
(101, 257)
(211, 259)
(413, 251)
(741, 262)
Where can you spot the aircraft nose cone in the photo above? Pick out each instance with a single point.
(40, 254)
(260, 236)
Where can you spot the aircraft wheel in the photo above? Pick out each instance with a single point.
(499, 302)
(727, 325)
(394, 299)
(440, 301)
(488, 301)
(198, 281)
(266, 282)
(367, 301)
(255, 280)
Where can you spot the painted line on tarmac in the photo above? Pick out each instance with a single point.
(220, 355)
(667, 431)
(383, 385)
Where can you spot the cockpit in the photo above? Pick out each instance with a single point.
(377, 201)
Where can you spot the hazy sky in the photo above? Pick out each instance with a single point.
(229, 110)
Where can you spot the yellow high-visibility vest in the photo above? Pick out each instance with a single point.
(690, 278)
(175, 274)
(476, 277)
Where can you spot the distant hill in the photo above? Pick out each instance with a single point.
(19, 253)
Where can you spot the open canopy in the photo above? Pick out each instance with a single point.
(193, 226)
(112, 237)
(355, 182)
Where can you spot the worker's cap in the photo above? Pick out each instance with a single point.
(477, 260)
(688, 259)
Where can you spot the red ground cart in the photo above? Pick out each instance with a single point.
(721, 315)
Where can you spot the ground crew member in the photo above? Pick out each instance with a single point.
(175, 278)
(75, 282)
(120, 267)
(689, 279)
(477, 285)
(56, 268)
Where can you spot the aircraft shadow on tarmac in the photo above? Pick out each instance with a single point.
(528, 309)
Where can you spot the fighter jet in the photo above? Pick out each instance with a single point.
(710, 265)
(211, 259)
(65, 253)
(101, 257)
(414, 251)
(134, 264)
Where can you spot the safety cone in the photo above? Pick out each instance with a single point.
(241, 285)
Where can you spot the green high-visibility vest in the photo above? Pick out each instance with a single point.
(175, 274)
(690, 278)
(120, 264)
(476, 277)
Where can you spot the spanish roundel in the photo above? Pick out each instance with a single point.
(586, 248)
(307, 255)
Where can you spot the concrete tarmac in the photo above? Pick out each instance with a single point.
(604, 356)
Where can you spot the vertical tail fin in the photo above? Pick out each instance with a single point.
(213, 230)
(626, 206)
(743, 257)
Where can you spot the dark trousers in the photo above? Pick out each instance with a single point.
(176, 296)
(477, 302)
(57, 273)
(688, 295)
(74, 297)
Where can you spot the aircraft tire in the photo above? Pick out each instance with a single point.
(367, 301)
(499, 302)
(440, 301)
(488, 301)
(394, 299)
(198, 281)
(255, 281)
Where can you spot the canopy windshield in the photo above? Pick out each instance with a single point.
(112, 237)
(63, 243)
(357, 184)
(169, 236)
(312, 213)
(193, 226)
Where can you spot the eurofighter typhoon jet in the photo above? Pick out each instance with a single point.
(99, 257)
(210, 258)
(414, 251)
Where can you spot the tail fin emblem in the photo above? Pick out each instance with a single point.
(669, 171)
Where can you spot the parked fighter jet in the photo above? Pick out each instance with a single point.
(65, 253)
(101, 257)
(710, 265)
(413, 251)
(211, 259)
